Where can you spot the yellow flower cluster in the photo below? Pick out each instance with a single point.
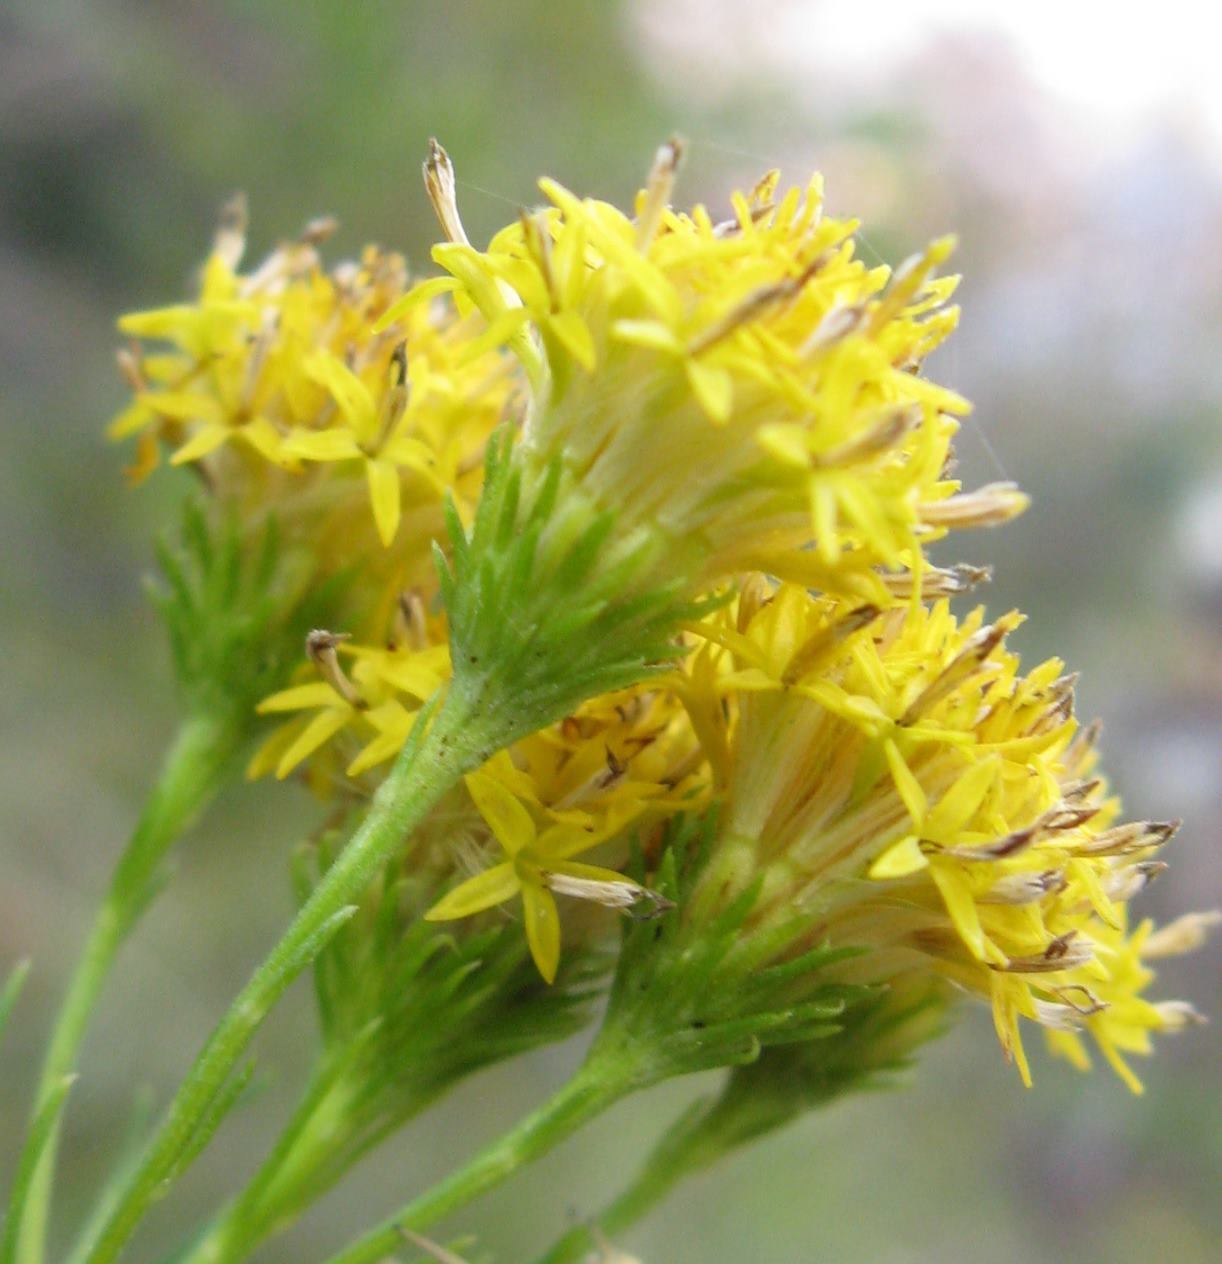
(619, 762)
(740, 388)
(745, 396)
(896, 778)
(275, 386)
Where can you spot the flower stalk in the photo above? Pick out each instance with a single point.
(604, 1078)
(197, 764)
(426, 768)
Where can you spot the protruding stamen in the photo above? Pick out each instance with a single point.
(1065, 952)
(260, 345)
(626, 896)
(318, 230)
(967, 663)
(814, 653)
(1074, 1004)
(538, 240)
(128, 359)
(884, 434)
(410, 625)
(1177, 1015)
(1009, 845)
(837, 324)
(658, 189)
(1079, 791)
(1185, 934)
(1024, 888)
(754, 594)
(1124, 840)
(756, 304)
(321, 646)
(987, 506)
(937, 581)
(229, 241)
(439, 182)
(909, 279)
(1080, 998)
(604, 779)
(1124, 884)
(1058, 820)
(1058, 705)
(1079, 755)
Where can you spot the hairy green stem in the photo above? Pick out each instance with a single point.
(195, 767)
(423, 772)
(606, 1076)
(255, 1213)
(311, 1155)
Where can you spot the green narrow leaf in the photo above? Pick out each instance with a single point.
(41, 1132)
(457, 533)
(582, 555)
(545, 501)
(224, 1101)
(229, 570)
(195, 532)
(509, 510)
(317, 941)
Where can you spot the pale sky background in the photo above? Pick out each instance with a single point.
(1113, 67)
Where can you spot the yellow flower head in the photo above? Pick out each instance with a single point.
(275, 386)
(364, 711)
(895, 777)
(619, 762)
(737, 388)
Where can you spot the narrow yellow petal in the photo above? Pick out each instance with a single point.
(265, 759)
(349, 392)
(322, 445)
(900, 860)
(647, 333)
(558, 842)
(713, 388)
(384, 497)
(506, 816)
(572, 332)
(383, 747)
(160, 322)
(148, 458)
(300, 698)
(417, 675)
(134, 417)
(542, 929)
(484, 891)
(907, 784)
(265, 439)
(957, 896)
(418, 294)
(206, 439)
(960, 803)
(786, 444)
(185, 406)
(320, 730)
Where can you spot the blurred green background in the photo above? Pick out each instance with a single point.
(1091, 231)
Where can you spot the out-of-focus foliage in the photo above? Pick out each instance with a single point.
(1089, 346)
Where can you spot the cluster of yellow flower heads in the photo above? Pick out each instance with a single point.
(895, 775)
(275, 386)
(747, 396)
